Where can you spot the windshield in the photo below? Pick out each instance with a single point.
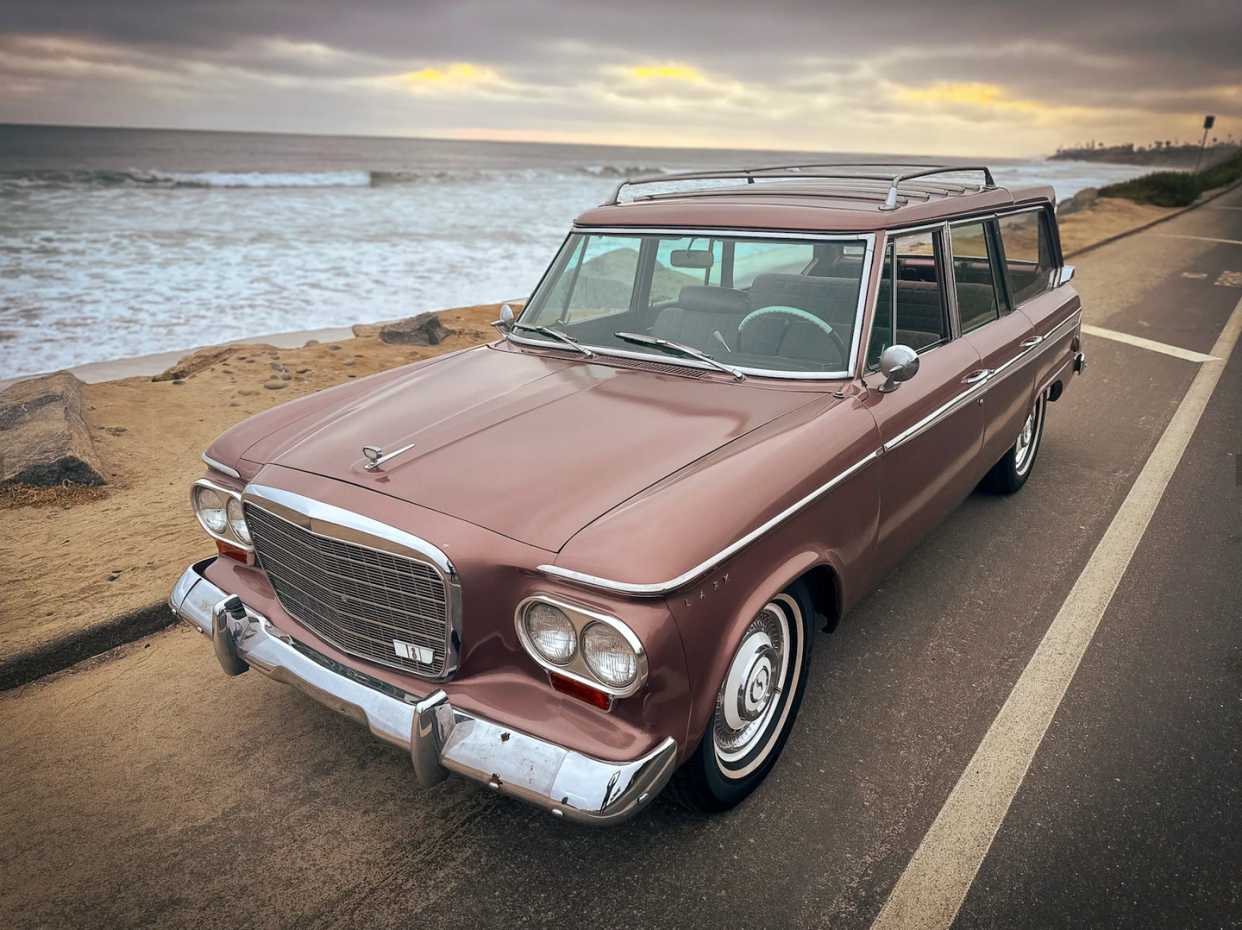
(758, 305)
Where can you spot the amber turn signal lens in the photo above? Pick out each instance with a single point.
(576, 689)
(233, 552)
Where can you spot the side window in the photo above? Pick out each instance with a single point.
(599, 279)
(909, 309)
(1028, 254)
(754, 258)
(977, 302)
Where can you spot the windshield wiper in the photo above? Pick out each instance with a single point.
(689, 351)
(556, 334)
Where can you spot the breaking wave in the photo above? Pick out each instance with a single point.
(139, 178)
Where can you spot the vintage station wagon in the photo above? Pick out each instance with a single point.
(589, 560)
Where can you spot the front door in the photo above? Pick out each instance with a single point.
(932, 425)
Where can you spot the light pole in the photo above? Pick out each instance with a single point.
(1208, 123)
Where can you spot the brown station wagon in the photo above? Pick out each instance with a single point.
(589, 560)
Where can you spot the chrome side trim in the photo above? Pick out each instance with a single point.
(576, 668)
(967, 396)
(220, 466)
(664, 587)
(338, 523)
(439, 737)
(981, 386)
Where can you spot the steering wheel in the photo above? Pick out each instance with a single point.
(800, 314)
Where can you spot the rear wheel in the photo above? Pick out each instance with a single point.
(1010, 473)
(755, 707)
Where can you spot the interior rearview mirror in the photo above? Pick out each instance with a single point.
(897, 364)
(691, 258)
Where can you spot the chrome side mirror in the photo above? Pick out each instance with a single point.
(504, 325)
(1065, 275)
(897, 364)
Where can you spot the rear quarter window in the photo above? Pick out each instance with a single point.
(1028, 254)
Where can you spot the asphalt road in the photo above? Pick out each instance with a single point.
(144, 789)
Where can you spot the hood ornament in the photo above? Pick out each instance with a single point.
(376, 457)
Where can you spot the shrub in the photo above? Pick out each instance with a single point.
(1176, 188)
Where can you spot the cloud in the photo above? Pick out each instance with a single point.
(886, 76)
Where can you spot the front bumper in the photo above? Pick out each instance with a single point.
(439, 737)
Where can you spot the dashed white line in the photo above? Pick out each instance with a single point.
(1140, 342)
(931, 890)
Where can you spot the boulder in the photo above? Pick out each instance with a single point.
(422, 330)
(1079, 202)
(44, 441)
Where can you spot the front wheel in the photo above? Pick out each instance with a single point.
(755, 707)
(1010, 473)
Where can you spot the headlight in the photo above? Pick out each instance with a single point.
(237, 520)
(209, 508)
(608, 655)
(550, 632)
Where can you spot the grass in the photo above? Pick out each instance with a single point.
(13, 496)
(1176, 188)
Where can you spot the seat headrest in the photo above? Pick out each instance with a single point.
(703, 298)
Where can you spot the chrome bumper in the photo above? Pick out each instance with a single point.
(439, 737)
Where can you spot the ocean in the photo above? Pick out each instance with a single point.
(116, 243)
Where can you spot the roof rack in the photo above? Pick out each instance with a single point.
(843, 171)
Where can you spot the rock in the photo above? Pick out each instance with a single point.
(248, 392)
(275, 385)
(422, 330)
(197, 361)
(310, 342)
(276, 366)
(348, 362)
(334, 348)
(43, 439)
(1079, 202)
(285, 376)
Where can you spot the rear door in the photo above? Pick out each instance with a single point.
(1000, 336)
(1030, 260)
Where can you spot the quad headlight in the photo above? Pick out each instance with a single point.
(219, 510)
(210, 508)
(582, 645)
(550, 633)
(237, 521)
(609, 655)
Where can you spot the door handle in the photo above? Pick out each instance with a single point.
(1031, 343)
(976, 376)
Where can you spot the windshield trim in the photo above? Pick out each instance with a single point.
(864, 290)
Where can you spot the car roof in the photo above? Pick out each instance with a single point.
(812, 198)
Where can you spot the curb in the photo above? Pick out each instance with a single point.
(24, 667)
(1220, 192)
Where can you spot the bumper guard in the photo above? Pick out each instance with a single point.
(439, 737)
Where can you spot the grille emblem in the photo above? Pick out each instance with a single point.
(412, 651)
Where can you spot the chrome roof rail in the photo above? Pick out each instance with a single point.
(841, 171)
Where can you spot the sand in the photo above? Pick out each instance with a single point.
(72, 559)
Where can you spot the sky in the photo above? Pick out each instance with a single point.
(898, 76)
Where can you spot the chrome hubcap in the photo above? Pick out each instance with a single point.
(1026, 438)
(749, 696)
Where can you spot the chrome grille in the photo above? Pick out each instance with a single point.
(356, 598)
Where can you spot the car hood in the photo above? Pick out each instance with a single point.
(526, 445)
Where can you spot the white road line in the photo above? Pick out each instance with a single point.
(1175, 351)
(931, 890)
(1198, 238)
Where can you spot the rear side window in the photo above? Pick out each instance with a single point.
(977, 302)
(1028, 255)
(909, 309)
